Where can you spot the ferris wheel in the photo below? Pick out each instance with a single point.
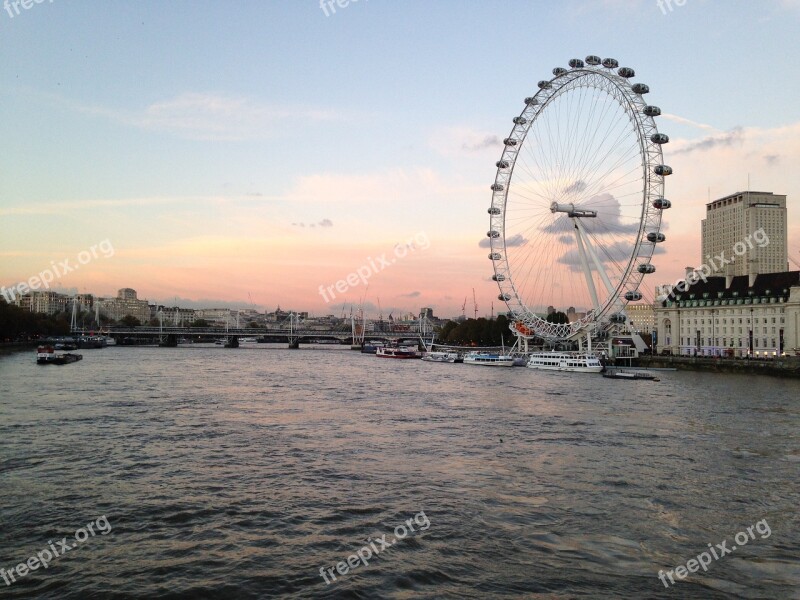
(577, 200)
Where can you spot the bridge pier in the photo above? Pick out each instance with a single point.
(168, 341)
(294, 344)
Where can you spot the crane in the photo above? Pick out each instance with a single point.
(475, 303)
(464, 309)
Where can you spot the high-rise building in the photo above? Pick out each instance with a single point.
(750, 230)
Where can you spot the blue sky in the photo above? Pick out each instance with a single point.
(198, 136)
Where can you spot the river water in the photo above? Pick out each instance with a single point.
(241, 473)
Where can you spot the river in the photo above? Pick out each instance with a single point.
(203, 472)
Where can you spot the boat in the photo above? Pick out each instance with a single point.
(577, 362)
(441, 357)
(630, 375)
(369, 348)
(396, 352)
(47, 355)
(488, 359)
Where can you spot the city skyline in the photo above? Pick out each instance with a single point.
(241, 173)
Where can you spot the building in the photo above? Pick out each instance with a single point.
(729, 231)
(172, 316)
(756, 316)
(125, 304)
(48, 302)
(641, 317)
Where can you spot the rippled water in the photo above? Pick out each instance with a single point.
(240, 473)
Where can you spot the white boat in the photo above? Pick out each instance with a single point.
(579, 362)
(393, 352)
(489, 360)
(441, 357)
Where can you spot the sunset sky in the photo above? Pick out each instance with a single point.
(247, 153)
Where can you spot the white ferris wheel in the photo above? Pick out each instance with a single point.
(577, 200)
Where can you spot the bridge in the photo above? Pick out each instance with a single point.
(293, 335)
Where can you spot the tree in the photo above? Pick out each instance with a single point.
(130, 321)
(199, 323)
(17, 323)
(252, 325)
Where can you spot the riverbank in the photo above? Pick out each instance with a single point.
(787, 366)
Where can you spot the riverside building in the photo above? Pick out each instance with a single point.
(755, 316)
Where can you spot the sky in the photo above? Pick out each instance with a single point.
(255, 153)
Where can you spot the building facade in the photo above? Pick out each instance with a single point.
(730, 230)
(641, 317)
(48, 302)
(740, 316)
(126, 303)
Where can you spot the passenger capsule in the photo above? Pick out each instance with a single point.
(503, 164)
(640, 88)
(493, 234)
(576, 63)
(633, 296)
(656, 237)
(531, 101)
(593, 60)
(544, 85)
(617, 318)
(504, 297)
(494, 210)
(652, 111)
(662, 203)
(510, 142)
(610, 63)
(497, 187)
(520, 120)
(495, 256)
(498, 277)
(663, 170)
(559, 71)
(647, 268)
(626, 72)
(659, 138)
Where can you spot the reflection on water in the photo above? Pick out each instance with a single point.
(240, 473)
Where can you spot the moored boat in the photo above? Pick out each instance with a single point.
(630, 375)
(442, 357)
(577, 362)
(488, 359)
(396, 352)
(46, 355)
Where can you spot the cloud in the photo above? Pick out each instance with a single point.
(514, 241)
(683, 121)
(772, 159)
(729, 138)
(198, 115)
(575, 187)
(618, 252)
(489, 141)
(323, 223)
(460, 141)
(411, 295)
